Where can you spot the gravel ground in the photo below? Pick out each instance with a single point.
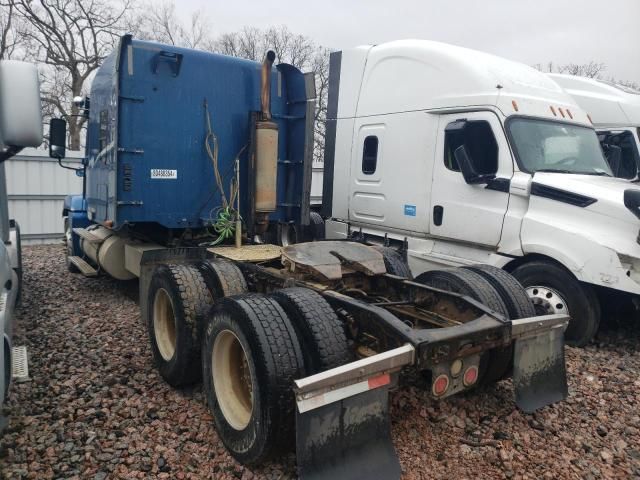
(96, 408)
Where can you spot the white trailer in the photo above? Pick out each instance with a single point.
(458, 158)
(615, 112)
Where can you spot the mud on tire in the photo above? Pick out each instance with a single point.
(251, 355)
(223, 278)
(178, 301)
(518, 305)
(320, 331)
(495, 363)
(394, 262)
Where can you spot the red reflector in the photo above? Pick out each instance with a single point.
(470, 376)
(379, 381)
(440, 385)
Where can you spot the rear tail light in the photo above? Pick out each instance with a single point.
(440, 385)
(470, 376)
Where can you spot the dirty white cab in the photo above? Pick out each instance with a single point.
(458, 157)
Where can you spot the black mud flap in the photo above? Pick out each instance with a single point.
(539, 372)
(347, 439)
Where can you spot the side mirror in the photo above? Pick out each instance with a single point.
(57, 138)
(469, 173)
(20, 108)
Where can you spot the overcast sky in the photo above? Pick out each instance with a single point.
(530, 31)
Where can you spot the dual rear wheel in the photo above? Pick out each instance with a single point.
(247, 348)
(254, 347)
(495, 289)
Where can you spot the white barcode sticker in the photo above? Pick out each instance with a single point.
(163, 173)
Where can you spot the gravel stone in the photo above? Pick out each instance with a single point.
(97, 409)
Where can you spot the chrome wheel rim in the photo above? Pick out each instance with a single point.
(547, 301)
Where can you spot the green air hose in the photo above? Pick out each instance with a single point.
(224, 225)
(225, 218)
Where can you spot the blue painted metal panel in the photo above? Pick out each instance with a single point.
(76, 207)
(147, 112)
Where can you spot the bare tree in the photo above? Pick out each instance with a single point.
(10, 32)
(247, 43)
(320, 65)
(297, 50)
(591, 69)
(629, 84)
(71, 38)
(157, 21)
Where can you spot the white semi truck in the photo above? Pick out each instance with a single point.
(615, 112)
(20, 126)
(458, 158)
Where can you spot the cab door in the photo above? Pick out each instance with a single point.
(471, 213)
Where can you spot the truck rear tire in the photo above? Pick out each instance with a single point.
(495, 363)
(315, 230)
(554, 289)
(395, 263)
(178, 301)
(251, 356)
(320, 331)
(223, 278)
(518, 305)
(511, 292)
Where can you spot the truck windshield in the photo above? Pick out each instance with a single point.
(548, 146)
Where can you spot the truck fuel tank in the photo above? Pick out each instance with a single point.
(106, 250)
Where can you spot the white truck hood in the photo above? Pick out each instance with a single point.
(607, 191)
(582, 222)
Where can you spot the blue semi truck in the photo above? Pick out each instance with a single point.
(196, 163)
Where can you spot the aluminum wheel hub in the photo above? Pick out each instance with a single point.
(547, 301)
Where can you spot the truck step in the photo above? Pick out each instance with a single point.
(86, 269)
(19, 364)
(87, 235)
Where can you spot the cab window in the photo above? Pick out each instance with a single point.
(621, 153)
(370, 155)
(480, 144)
